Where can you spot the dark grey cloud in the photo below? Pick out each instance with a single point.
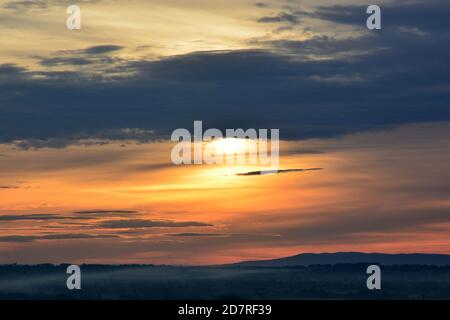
(17, 238)
(56, 236)
(283, 28)
(192, 234)
(105, 211)
(302, 150)
(41, 4)
(267, 172)
(87, 139)
(91, 214)
(102, 49)
(320, 87)
(98, 56)
(76, 61)
(10, 68)
(429, 16)
(142, 223)
(286, 17)
(38, 217)
(9, 187)
(26, 4)
(262, 4)
(43, 217)
(69, 236)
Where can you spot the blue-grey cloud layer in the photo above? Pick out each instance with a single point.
(394, 76)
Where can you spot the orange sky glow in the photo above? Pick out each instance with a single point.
(372, 195)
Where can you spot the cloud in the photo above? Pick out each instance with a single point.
(302, 150)
(43, 217)
(141, 223)
(56, 236)
(69, 236)
(10, 68)
(262, 4)
(361, 225)
(26, 4)
(9, 187)
(320, 87)
(42, 4)
(98, 56)
(17, 238)
(39, 217)
(91, 214)
(270, 172)
(102, 49)
(281, 17)
(187, 234)
(106, 212)
(97, 138)
(428, 16)
(77, 61)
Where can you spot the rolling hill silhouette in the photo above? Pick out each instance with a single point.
(307, 259)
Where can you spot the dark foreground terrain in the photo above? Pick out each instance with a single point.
(341, 281)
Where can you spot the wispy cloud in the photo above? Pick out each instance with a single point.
(102, 49)
(281, 17)
(44, 217)
(191, 234)
(100, 56)
(106, 213)
(142, 223)
(26, 4)
(56, 236)
(269, 172)
(39, 217)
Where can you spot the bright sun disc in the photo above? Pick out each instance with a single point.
(228, 146)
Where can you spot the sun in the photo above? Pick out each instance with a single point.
(228, 146)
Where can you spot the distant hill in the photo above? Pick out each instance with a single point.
(306, 259)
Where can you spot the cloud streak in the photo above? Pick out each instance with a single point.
(191, 234)
(281, 17)
(38, 217)
(271, 172)
(56, 236)
(142, 223)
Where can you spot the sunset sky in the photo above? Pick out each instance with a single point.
(86, 117)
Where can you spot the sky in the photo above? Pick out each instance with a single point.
(86, 118)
